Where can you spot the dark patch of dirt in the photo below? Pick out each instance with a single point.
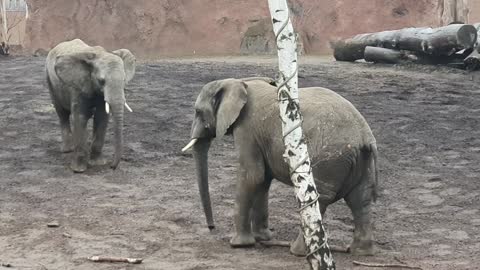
(426, 121)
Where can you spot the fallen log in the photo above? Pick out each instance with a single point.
(472, 61)
(444, 40)
(388, 56)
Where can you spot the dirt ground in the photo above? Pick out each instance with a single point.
(426, 121)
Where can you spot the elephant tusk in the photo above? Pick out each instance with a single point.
(190, 144)
(128, 107)
(107, 107)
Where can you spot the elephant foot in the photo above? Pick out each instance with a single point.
(298, 247)
(242, 240)
(362, 248)
(78, 167)
(98, 161)
(264, 234)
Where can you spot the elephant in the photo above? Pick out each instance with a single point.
(86, 81)
(341, 145)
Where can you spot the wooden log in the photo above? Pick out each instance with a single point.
(444, 40)
(388, 56)
(472, 61)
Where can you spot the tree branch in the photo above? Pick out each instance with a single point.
(16, 21)
(386, 265)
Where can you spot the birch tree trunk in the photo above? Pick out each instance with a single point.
(463, 11)
(4, 21)
(454, 11)
(296, 154)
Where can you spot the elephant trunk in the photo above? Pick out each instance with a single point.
(200, 153)
(117, 110)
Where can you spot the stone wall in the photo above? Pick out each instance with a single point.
(214, 27)
(474, 15)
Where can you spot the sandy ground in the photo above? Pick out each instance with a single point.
(426, 120)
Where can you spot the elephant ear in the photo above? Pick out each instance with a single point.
(128, 63)
(230, 100)
(75, 69)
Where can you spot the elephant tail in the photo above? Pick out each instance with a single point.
(374, 153)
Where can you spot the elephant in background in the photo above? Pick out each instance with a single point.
(341, 145)
(87, 81)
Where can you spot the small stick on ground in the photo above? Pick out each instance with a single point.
(275, 243)
(115, 259)
(386, 265)
(53, 224)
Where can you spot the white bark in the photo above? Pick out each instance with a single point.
(296, 154)
(463, 11)
(454, 11)
(4, 22)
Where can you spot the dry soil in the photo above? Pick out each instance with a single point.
(426, 121)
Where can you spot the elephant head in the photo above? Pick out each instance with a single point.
(101, 72)
(217, 108)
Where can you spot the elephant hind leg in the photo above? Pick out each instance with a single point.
(359, 200)
(299, 247)
(64, 117)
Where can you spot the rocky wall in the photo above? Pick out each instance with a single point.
(214, 27)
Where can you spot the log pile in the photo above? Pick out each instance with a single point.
(454, 44)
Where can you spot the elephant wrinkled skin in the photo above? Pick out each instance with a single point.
(83, 82)
(341, 145)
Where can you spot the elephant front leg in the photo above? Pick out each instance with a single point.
(80, 152)
(261, 230)
(100, 123)
(244, 200)
(251, 179)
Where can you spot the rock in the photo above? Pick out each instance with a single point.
(211, 27)
(259, 39)
(40, 52)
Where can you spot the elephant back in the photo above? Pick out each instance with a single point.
(334, 129)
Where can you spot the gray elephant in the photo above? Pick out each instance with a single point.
(87, 81)
(341, 145)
